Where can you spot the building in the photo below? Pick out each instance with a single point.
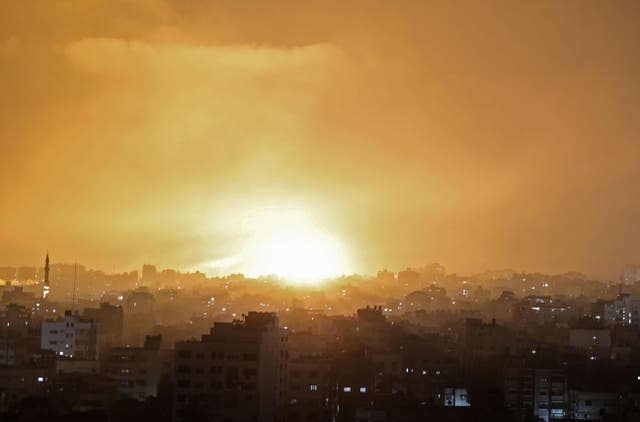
(237, 371)
(385, 277)
(311, 390)
(623, 310)
(409, 278)
(110, 319)
(587, 405)
(139, 315)
(16, 335)
(484, 341)
(140, 371)
(455, 397)
(595, 342)
(538, 393)
(70, 336)
(630, 274)
(537, 310)
(19, 296)
(149, 275)
(18, 383)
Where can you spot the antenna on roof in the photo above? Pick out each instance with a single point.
(73, 302)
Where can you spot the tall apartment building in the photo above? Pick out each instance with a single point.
(71, 336)
(236, 373)
(537, 393)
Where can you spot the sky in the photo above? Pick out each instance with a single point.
(480, 135)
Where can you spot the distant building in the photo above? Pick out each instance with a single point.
(8, 274)
(622, 311)
(483, 341)
(70, 336)
(630, 274)
(149, 275)
(596, 342)
(110, 319)
(16, 339)
(27, 273)
(385, 277)
(372, 329)
(237, 371)
(537, 310)
(19, 296)
(139, 315)
(409, 278)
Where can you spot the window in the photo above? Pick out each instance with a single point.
(184, 383)
(347, 389)
(184, 354)
(363, 389)
(313, 387)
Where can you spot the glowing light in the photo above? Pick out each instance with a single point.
(288, 243)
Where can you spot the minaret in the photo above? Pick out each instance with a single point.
(45, 287)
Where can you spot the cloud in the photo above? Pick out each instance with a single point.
(117, 55)
(9, 46)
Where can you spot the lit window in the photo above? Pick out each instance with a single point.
(347, 389)
(40, 379)
(313, 387)
(363, 389)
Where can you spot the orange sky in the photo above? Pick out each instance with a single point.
(477, 134)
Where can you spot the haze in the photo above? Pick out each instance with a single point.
(480, 136)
